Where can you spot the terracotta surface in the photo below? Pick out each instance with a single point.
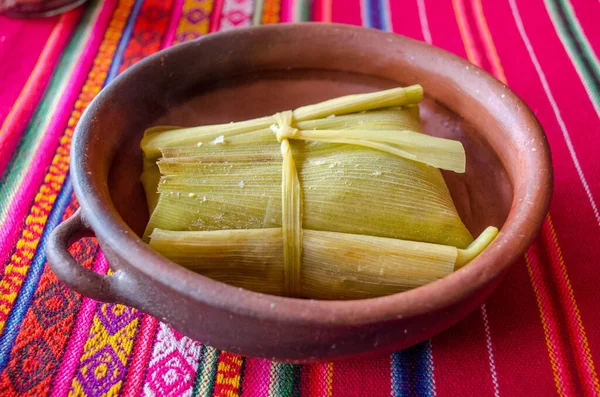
(254, 72)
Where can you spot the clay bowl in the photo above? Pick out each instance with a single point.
(257, 71)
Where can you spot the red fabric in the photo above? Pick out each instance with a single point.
(405, 19)
(538, 334)
(444, 30)
(354, 373)
(574, 220)
(347, 12)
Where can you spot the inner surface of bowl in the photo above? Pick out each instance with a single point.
(483, 195)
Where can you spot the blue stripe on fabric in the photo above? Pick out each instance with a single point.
(32, 279)
(23, 301)
(376, 14)
(125, 37)
(412, 372)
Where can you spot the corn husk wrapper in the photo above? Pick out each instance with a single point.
(376, 216)
(334, 265)
(346, 189)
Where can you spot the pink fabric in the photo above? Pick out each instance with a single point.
(537, 335)
(23, 55)
(17, 118)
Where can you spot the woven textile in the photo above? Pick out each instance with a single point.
(538, 334)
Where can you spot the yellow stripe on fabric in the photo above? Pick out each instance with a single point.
(195, 20)
(329, 379)
(228, 377)
(121, 343)
(99, 338)
(546, 328)
(571, 297)
(207, 376)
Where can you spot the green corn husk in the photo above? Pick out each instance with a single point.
(155, 141)
(361, 102)
(346, 189)
(398, 118)
(161, 137)
(371, 214)
(334, 265)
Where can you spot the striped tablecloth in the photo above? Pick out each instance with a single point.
(538, 335)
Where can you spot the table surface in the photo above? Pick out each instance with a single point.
(539, 333)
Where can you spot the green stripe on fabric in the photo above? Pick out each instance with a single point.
(257, 12)
(302, 11)
(576, 26)
(198, 378)
(207, 371)
(284, 380)
(25, 152)
(577, 46)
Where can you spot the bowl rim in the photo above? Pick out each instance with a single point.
(517, 232)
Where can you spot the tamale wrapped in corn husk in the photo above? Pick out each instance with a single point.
(337, 200)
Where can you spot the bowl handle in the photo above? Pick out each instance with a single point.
(85, 281)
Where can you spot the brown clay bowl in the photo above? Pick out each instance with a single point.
(257, 71)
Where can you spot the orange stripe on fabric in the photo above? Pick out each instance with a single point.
(488, 42)
(549, 326)
(567, 297)
(465, 32)
(329, 379)
(271, 10)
